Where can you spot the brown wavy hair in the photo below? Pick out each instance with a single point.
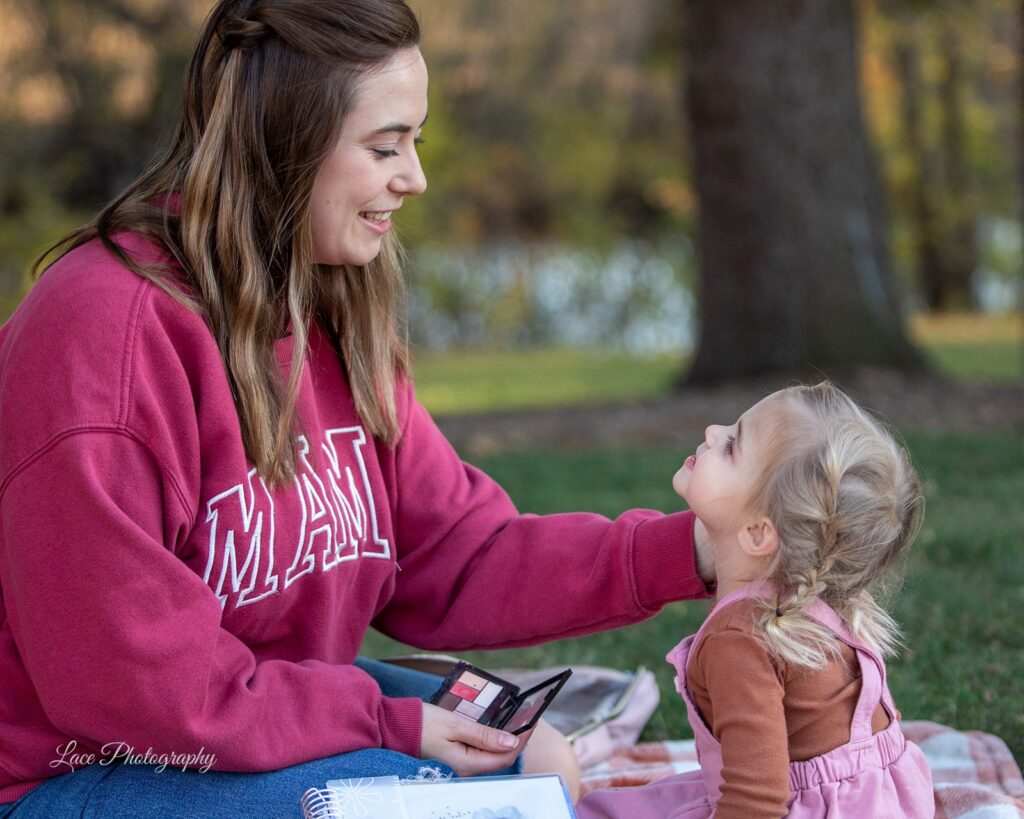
(266, 93)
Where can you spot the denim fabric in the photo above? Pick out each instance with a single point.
(120, 791)
(132, 791)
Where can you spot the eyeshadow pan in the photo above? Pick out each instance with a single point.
(486, 697)
(474, 680)
(469, 709)
(449, 701)
(460, 689)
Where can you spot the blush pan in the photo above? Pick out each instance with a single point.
(460, 689)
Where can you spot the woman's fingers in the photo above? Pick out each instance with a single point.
(467, 747)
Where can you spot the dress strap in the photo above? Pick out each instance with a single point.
(873, 686)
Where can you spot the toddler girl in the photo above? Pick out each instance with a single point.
(807, 501)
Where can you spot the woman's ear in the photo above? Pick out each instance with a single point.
(759, 539)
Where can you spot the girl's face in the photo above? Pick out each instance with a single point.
(374, 165)
(718, 479)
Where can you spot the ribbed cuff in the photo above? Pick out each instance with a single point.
(12, 793)
(664, 562)
(401, 724)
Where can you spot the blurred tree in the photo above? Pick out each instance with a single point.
(550, 120)
(939, 76)
(87, 90)
(922, 184)
(795, 265)
(953, 289)
(109, 74)
(943, 205)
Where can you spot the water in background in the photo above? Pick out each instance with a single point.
(635, 296)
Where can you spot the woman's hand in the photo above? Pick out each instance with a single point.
(705, 556)
(467, 747)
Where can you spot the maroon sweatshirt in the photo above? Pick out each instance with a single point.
(157, 595)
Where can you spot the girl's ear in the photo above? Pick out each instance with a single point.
(759, 539)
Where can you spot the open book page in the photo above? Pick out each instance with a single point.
(513, 797)
(495, 797)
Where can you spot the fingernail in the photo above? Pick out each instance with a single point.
(508, 740)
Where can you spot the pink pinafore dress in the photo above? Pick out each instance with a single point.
(873, 775)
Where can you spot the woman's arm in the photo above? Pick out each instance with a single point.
(122, 641)
(476, 573)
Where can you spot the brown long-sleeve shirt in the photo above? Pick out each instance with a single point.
(765, 712)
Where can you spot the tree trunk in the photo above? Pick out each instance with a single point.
(796, 273)
(961, 256)
(923, 185)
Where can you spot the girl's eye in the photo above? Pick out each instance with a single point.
(729, 442)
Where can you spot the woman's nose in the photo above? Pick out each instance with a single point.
(711, 434)
(411, 181)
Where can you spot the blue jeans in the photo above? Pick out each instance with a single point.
(121, 791)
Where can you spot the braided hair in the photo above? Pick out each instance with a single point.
(846, 503)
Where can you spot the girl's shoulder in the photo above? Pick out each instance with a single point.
(731, 639)
(736, 622)
(735, 615)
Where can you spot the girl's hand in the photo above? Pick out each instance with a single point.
(467, 747)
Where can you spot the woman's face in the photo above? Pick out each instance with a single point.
(374, 165)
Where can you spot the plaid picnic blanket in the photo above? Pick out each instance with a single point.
(975, 774)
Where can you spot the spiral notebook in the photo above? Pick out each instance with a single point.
(492, 797)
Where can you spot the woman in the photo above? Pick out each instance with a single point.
(214, 474)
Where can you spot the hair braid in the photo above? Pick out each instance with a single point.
(846, 503)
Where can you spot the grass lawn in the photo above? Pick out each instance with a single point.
(972, 344)
(482, 381)
(960, 606)
(983, 346)
(964, 590)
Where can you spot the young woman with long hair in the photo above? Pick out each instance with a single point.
(215, 475)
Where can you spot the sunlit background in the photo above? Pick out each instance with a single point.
(561, 211)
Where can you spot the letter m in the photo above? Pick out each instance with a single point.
(241, 524)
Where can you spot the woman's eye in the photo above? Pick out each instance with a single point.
(384, 153)
(729, 442)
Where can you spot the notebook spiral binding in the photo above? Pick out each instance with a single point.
(317, 804)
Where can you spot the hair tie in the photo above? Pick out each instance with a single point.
(238, 32)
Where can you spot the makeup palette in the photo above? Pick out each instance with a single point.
(482, 697)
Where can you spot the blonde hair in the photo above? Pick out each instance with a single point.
(266, 93)
(846, 503)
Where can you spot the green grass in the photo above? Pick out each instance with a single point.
(478, 381)
(960, 345)
(973, 344)
(961, 604)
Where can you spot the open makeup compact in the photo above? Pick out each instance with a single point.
(482, 697)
